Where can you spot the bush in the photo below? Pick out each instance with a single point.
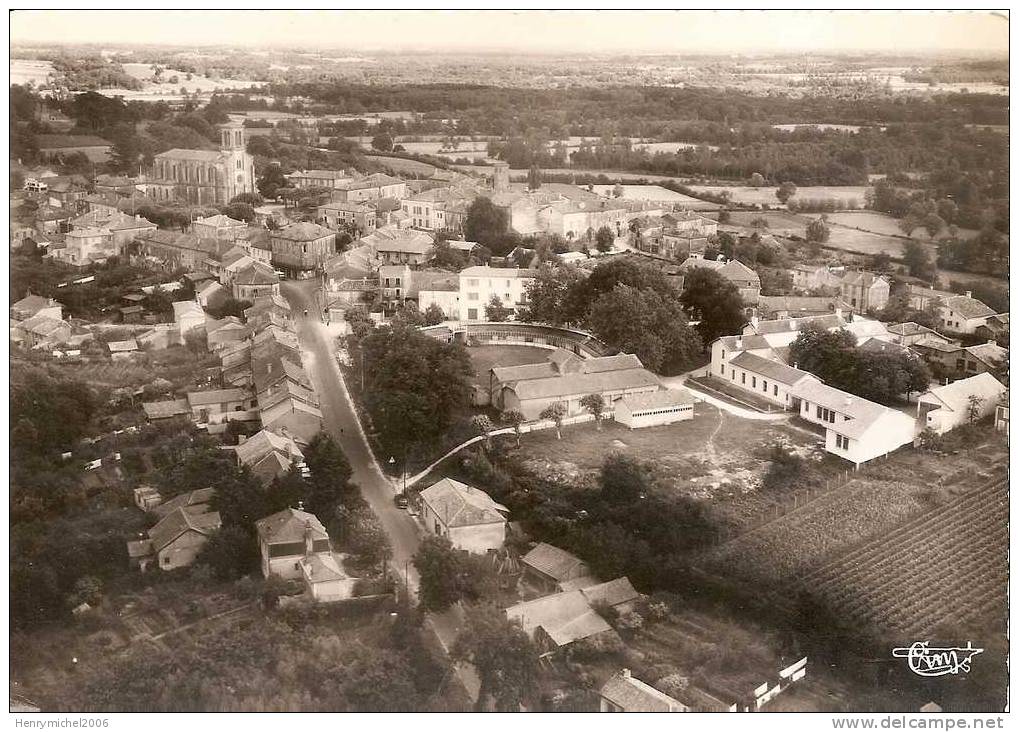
(597, 648)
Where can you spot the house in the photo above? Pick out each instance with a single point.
(908, 333)
(557, 620)
(944, 408)
(926, 298)
(951, 360)
(41, 331)
(219, 226)
(624, 693)
(479, 284)
(222, 332)
(320, 178)
(120, 350)
(176, 541)
(169, 409)
(188, 316)
(146, 497)
(35, 305)
(856, 429)
(655, 408)
(863, 291)
(548, 567)
(358, 215)
(302, 248)
(963, 313)
(370, 188)
(325, 580)
(174, 250)
(196, 501)
(768, 379)
(430, 209)
(399, 246)
(467, 516)
(215, 405)
(441, 291)
(811, 277)
(791, 306)
(254, 281)
(566, 378)
(288, 537)
(994, 328)
(291, 416)
(96, 149)
(747, 281)
(212, 295)
(268, 455)
(204, 177)
(617, 594)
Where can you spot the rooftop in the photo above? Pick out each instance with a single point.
(770, 369)
(458, 504)
(633, 695)
(658, 400)
(290, 525)
(551, 561)
(565, 616)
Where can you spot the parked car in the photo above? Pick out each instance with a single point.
(400, 499)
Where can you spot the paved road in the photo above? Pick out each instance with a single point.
(342, 424)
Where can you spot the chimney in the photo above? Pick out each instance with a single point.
(991, 342)
(739, 343)
(625, 673)
(969, 293)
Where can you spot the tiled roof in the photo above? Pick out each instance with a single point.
(584, 383)
(771, 369)
(257, 274)
(505, 272)
(289, 525)
(955, 396)
(458, 504)
(551, 561)
(122, 346)
(179, 522)
(177, 153)
(990, 353)
(303, 231)
(196, 501)
(165, 409)
(612, 593)
(216, 396)
(863, 414)
(565, 616)
(968, 307)
(264, 442)
(633, 695)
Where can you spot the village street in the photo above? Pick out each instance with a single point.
(341, 422)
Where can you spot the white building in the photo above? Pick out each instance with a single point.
(856, 429)
(763, 377)
(944, 408)
(479, 284)
(654, 409)
(467, 516)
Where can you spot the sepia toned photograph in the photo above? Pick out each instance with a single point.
(555, 361)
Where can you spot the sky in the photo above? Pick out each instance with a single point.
(536, 31)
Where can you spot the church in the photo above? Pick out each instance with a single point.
(204, 177)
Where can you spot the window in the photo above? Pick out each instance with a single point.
(166, 560)
(753, 380)
(960, 364)
(723, 354)
(764, 385)
(507, 297)
(842, 443)
(743, 377)
(775, 387)
(240, 165)
(819, 411)
(472, 283)
(721, 369)
(472, 296)
(971, 365)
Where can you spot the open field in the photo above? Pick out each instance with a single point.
(950, 565)
(647, 193)
(402, 165)
(765, 195)
(881, 223)
(714, 456)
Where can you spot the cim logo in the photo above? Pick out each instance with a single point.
(927, 661)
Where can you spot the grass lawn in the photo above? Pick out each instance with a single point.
(765, 195)
(488, 357)
(713, 456)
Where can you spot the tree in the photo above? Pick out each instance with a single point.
(818, 231)
(881, 262)
(534, 178)
(785, 191)
(271, 181)
(724, 216)
(933, 224)
(556, 412)
(594, 404)
(383, 142)
(918, 260)
(714, 301)
(604, 239)
(973, 403)
(495, 311)
(448, 575)
(434, 315)
(623, 479)
(648, 323)
(330, 474)
(759, 222)
(828, 355)
(757, 180)
(230, 553)
(502, 654)
(550, 296)
(485, 222)
(514, 419)
(910, 223)
(483, 425)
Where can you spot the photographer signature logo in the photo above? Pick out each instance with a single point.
(927, 661)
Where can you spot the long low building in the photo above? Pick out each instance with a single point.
(856, 429)
(762, 377)
(944, 408)
(655, 409)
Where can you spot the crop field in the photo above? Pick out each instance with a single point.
(948, 566)
(880, 223)
(402, 166)
(765, 195)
